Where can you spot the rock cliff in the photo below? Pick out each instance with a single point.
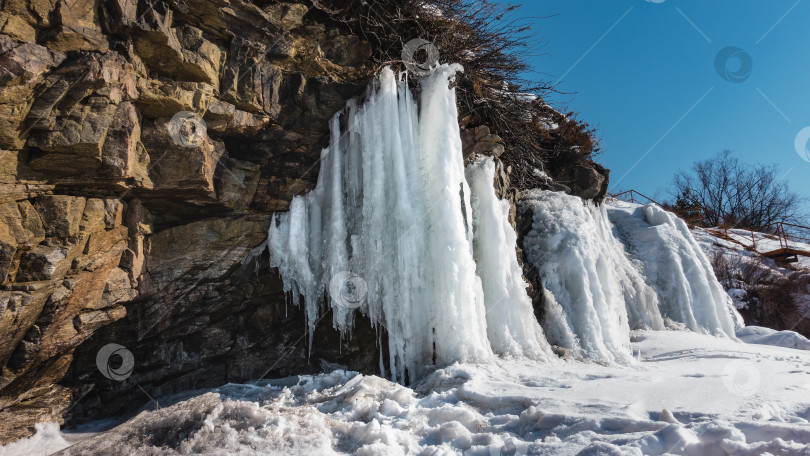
(143, 148)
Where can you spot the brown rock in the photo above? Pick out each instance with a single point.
(120, 14)
(290, 15)
(225, 119)
(18, 421)
(347, 50)
(31, 223)
(122, 155)
(61, 214)
(18, 311)
(17, 28)
(76, 27)
(70, 119)
(165, 99)
(22, 67)
(181, 53)
(43, 262)
(213, 245)
(238, 183)
(249, 82)
(36, 13)
(176, 166)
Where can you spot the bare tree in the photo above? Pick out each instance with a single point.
(735, 193)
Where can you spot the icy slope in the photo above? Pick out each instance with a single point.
(388, 230)
(690, 394)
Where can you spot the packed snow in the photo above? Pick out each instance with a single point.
(689, 394)
(768, 336)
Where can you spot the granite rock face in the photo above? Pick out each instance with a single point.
(143, 147)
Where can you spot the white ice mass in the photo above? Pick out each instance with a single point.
(393, 207)
(432, 254)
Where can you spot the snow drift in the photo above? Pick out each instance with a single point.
(693, 394)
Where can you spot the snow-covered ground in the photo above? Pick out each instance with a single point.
(688, 393)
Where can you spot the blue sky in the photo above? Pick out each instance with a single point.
(645, 74)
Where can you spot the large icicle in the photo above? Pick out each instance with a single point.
(589, 284)
(511, 325)
(391, 214)
(675, 265)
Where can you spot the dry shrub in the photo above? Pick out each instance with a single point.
(771, 295)
(494, 49)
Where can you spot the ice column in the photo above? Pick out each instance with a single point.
(388, 229)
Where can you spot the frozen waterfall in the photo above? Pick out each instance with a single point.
(618, 266)
(390, 230)
(676, 267)
(398, 230)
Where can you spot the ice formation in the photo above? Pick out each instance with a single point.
(590, 286)
(676, 267)
(389, 230)
(511, 325)
(606, 269)
(398, 230)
